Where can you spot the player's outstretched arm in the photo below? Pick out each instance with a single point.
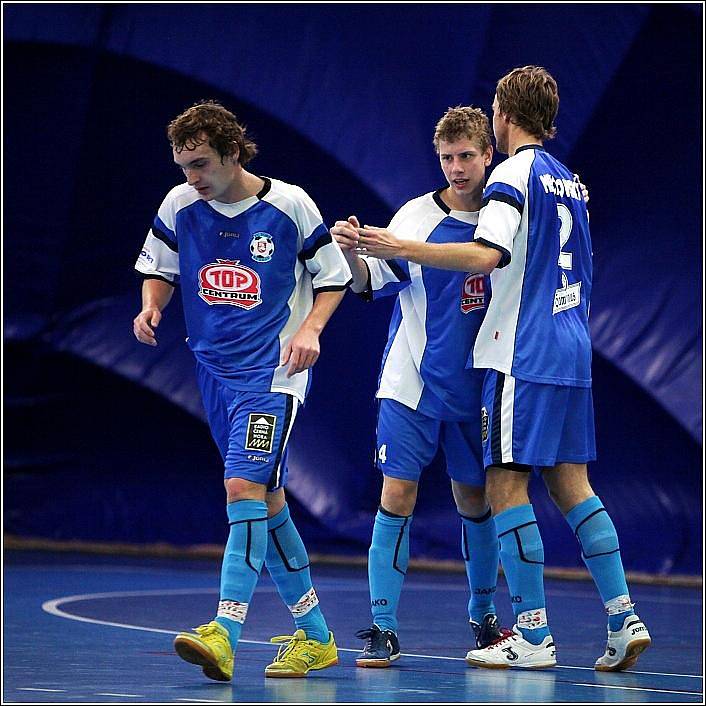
(463, 257)
(302, 350)
(345, 233)
(155, 296)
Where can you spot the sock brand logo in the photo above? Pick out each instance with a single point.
(378, 602)
(484, 591)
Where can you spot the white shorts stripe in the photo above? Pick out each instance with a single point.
(507, 406)
(295, 409)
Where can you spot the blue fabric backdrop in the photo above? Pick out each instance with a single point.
(342, 100)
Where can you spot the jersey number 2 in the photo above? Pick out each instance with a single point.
(566, 223)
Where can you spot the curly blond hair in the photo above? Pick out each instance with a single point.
(463, 121)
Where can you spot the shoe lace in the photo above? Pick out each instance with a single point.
(293, 645)
(373, 635)
(207, 630)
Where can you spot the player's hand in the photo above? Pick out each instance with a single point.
(144, 324)
(302, 351)
(345, 233)
(378, 242)
(582, 186)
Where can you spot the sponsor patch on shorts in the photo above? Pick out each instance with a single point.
(260, 434)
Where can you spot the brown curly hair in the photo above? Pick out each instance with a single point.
(463, 121)
(530, 98)
(219, 126)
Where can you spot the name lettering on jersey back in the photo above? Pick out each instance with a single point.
(473, 293)
(568, 296)
(561, 187)
(228, 282)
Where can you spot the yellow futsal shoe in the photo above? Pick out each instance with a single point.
(299, 654)
(209, 647)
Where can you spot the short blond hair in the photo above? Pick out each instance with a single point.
(463, 121)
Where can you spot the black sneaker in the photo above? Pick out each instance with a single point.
(488, 632)
(382, 647)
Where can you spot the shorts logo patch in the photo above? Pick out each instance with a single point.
(228, 282)
(262, 247)
(473, 293)
(261, 432)
(483, 424)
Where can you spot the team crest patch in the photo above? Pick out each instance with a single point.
(261, 432)
(262, 247)
(473, 293)
(483, 424)
(229, 282)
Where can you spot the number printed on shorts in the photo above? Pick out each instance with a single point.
(382, 453)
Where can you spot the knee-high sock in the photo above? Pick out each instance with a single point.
(388, 558)
(479, 546)
(600, 551)
(242, 562)
(288, 564)
(522, 556)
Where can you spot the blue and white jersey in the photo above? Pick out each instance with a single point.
(248, 273)
(436, 316)
(536, 328)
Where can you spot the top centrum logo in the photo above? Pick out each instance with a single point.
(229, 282)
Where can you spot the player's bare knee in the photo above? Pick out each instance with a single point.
(398, 496)
(471, 500)
(568, 485)
(275, 502)
(242, 489)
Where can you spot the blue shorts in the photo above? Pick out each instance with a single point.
(407, 441)
(535, 424)
(251, 429)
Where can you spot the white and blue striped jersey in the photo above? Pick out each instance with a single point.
(248, 273)
(435, 319)
(536, 328)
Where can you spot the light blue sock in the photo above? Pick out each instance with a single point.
(242, 562)
(479, 546)
(522, 556)
(387, 565)
(600, 551)
(288, 564)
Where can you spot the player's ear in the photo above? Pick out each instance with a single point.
(234, 157)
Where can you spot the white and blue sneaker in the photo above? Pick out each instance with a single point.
(513, 651)
(624, 646)
(381, 649)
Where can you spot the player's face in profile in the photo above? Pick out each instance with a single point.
(203, 168)
(500, 128)
(464, 163)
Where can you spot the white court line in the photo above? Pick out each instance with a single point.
(106, 693)
(52, 607)
(31, 688)
(355, 584)
(636, 688)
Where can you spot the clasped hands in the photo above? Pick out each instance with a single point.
(367, 240)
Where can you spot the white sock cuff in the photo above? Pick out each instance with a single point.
(619, 604)
(308, 601)
(233, 610)
(532, 619)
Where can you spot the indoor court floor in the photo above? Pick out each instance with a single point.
(92, 629)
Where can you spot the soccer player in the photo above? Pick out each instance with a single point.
(533, 236)
(260, 277)
(428, 399)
